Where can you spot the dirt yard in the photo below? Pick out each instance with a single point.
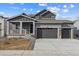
(15, 44)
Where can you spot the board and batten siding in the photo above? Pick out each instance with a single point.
(20, 18)
(1, 27)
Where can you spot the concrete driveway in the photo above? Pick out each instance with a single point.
(57, 47)
(49, 47)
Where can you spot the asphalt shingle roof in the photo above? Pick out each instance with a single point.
(54, 21)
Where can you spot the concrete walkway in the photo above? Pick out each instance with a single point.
(49, 47)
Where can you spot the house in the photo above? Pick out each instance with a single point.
(76, 28)
(76, 24)
(41, 25)
(2, 26)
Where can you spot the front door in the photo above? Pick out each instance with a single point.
(31, 28)
(27, 27)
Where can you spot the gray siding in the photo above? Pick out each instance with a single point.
(76, 24)
(46, 25)
(47, 15)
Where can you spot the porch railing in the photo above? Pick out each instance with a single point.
(17, 32)
(23, 31)
(14, 32)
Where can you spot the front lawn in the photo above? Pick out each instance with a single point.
(15, 44)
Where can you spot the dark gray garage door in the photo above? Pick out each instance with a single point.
(47, 33)
(66, 33)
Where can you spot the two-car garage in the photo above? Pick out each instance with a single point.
(53, 33)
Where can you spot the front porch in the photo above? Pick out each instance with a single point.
(20, 28)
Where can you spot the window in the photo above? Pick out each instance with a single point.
(17, 26)
(52, 16)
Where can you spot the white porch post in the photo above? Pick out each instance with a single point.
(7, 28)
(59, 33)
(20, 27)
(71, 33)
(33, 28)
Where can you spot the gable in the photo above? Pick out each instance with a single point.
(22, 17)
(45, 14)
(40, 12)
(48, 15)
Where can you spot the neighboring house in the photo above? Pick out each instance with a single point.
(76, 24)
(40, 25)
(2, 19)
(76, 28)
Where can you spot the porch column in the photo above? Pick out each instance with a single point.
(33, 28)
(71, 33)
(59, 33)
(7, 28)
(20, 27)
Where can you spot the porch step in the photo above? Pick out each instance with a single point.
(29, 36)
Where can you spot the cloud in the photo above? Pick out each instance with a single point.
(15, 7)
(2, 13)
(28, 10)
(31, 9)
(57, 14)
(24, 9)
(42, 4)
(72, 6)
(65, 6)
(7, 15)
(38, 11)
(65, 17)
(70, 18)
(65, 10)
(53, 9)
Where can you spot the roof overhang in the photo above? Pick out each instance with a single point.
(21, 15)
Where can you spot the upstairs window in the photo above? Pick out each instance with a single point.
(52, 16)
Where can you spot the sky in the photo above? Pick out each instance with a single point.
(67, 11)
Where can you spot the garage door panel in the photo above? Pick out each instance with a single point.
(47, 33)
(66, 33)
(44, 33)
